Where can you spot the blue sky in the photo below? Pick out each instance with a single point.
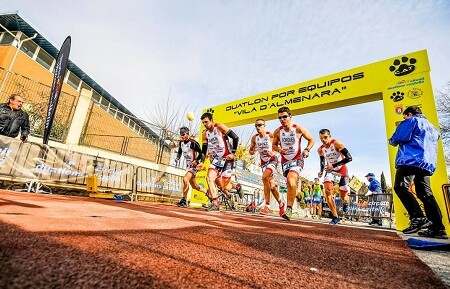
(211, 52)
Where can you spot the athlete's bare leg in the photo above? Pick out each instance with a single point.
(196, 186)
(267, 174)
(226, 183)
(314, 210)
(329, 196)
(344, 196)
(210, 179)
(292, 181)
(186, 180)
(274, 190)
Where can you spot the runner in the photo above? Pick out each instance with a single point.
(262, 142)
(192, 153)
(333, 157)
(215, 142)
(317, 199)
(308, 200)
(287, 141)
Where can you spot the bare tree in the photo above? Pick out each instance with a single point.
(443, 108)
(166, 117)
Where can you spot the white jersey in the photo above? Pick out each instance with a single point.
(188, 152)
(290, 143)
(332, 155)
(218, 145)
(264, 146)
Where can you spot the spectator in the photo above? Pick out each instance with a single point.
(374, 190)
(416, 160)
(13, 119)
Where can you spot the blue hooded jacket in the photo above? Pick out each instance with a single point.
(417, 140)
(374, 186)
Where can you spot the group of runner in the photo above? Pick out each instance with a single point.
(285, 141)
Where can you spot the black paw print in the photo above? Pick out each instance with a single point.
(397, 96)
(210, 110)
(403, 67)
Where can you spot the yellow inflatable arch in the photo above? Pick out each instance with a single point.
(399, 81)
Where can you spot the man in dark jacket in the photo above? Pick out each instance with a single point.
(13, 119)
(416, 160)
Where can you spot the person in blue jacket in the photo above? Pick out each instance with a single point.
(374, 191)
(416, 158)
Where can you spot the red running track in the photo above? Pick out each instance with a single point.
(52, 241)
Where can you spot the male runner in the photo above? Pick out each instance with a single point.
(192, 153)
(333, 157)
(317, 199)
(215, 142)
(308, 200)
(287, 141)
(262, 142)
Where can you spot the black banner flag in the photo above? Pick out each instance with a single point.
(58, 78)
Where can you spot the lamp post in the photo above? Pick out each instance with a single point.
(17, 41)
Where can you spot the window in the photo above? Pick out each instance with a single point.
(131, 124)
(97, 97)
(6, 39)
(87, 87)
(112, 110)
(119, 115)
(44, 59)
(73, 80)
(126, 120)
(104, 103)
(29, 47)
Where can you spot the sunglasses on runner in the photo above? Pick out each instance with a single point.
(259, 124)
(283, 116)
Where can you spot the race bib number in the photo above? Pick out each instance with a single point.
(335, 177)
(218, 162)
(289, 164)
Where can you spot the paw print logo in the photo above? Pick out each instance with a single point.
(210, 110)
(404, 66)
(397, 96)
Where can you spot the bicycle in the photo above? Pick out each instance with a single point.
(32, 186)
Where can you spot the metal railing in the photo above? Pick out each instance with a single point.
(36, 96)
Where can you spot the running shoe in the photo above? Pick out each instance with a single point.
(265, 211)
(182, 203)
(288, 214)
(282, 209)
(213, 207)
(417, 224)
(345, 208)
(335, 221)
(429, 233)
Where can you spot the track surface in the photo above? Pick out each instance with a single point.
(50, 241)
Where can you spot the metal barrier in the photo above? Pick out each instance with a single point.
(31, 161)
(153, 183)
(363, 208)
